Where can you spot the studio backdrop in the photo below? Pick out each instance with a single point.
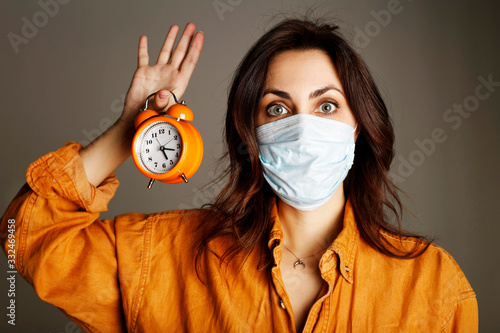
(66, 67)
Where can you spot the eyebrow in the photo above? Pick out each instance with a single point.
(314, 94)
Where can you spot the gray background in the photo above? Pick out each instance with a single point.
(66, 82)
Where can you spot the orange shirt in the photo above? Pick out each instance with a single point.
(136, 274)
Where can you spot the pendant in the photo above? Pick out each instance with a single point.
(299, 262)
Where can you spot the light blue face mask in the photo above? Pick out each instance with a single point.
(305, 158)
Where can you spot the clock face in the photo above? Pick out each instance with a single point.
(159, 147)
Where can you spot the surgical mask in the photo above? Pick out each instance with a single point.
(305, 158)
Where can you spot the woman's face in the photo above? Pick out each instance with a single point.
(303, 82)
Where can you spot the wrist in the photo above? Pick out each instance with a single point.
(125, 126)
(125, 131)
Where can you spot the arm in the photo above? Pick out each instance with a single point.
(465, 315)
(59, 245)
(172, 71)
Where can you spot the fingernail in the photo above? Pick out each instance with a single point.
(162, 94)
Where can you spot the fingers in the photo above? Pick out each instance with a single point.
(166, 50)
(161, 99)
(183, 45)
(143, 58)
(193, 55)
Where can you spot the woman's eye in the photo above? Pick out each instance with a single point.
(328, 107)
(276, 110)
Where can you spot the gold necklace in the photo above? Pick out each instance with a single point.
(299, 260)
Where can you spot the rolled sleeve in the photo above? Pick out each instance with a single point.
(465, 315)
(61, 247)
(61, 175)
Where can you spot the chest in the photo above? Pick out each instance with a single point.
(303, 286)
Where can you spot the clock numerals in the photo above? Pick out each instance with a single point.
(160, 148)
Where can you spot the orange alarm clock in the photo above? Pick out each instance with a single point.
(166, 146)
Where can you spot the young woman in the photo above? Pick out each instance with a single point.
(299, 239)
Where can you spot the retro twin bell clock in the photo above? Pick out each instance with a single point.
(166, 146)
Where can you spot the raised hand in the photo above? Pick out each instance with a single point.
(172, 71)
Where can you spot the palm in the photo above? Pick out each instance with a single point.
(172, 70)
(150, 79)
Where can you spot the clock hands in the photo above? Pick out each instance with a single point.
(159, 143)
(165, 143)
(162, 148)
(163, 151)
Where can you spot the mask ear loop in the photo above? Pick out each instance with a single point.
(355, 127)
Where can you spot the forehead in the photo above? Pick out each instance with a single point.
(301, 68)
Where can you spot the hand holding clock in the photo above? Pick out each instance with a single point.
(172, 71)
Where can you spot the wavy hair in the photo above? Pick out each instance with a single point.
(244, 204)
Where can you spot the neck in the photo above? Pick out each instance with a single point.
(307, 232)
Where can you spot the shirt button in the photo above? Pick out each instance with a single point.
(282, 304)
(347, 269)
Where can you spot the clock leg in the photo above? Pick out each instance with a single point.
(184, 178)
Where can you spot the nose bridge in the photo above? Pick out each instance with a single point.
(302, 104)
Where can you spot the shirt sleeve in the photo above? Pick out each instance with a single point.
(465, 317)
(60, 246)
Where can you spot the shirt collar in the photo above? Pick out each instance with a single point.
(341, 253)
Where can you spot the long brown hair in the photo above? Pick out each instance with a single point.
(244, 204)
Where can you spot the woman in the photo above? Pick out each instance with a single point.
(297, 240)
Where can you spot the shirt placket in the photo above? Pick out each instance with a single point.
(283, 301)
(322, 304)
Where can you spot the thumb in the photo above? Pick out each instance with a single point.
(162, 98)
